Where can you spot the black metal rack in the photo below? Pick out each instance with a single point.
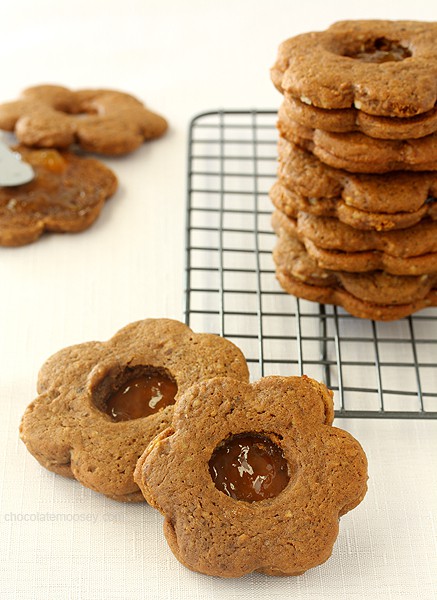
(376, 369)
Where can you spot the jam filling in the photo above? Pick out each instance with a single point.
(141, 396)
(249, 467)
(380, 50)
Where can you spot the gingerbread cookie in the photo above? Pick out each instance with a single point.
(382, 68)
(264, 482)
(358, 153)
(350, 119)
(374, 295)
(387, 252)
(66, 195)
(380, 287)
(289, 255)
(101, 403)
(391, 193)
(411, 251)
(290, 202)
(103, 121)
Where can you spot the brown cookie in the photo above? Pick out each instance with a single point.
(359, 153)
(320, 246)
(291, 256)
(383, 68)
(103, 121)
(66, 195)
(264, 482)
(392, 193)
(375, 286)
(350, 119)
(290, 202)
(374, 295)
(101, 403)
(411, 251)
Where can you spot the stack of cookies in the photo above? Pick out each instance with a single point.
(356, 215)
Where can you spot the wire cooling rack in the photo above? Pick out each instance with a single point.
(375, 369)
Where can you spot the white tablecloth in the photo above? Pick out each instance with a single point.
(59, 540)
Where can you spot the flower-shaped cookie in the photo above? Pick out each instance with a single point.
(66, 195)
(255, 479)
(101, 403)
(104, 121)
(337, 246)
(385, 68)
(401, 198)
(359, 153)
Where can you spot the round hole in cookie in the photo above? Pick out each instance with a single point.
(377, 50)
(249, 467)
(138, 392)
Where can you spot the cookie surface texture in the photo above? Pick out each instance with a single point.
(290, 202)
(398, 192)
(69, 429)
(411, 251)
(373, 295)
(286, 533)
(103, 121)
(358, 153)
(383, 68)
(350, 119)
(66, 195)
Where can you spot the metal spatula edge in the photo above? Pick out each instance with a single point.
(13, 170)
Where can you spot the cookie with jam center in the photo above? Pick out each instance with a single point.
(380, 67)
(101, 403)
(66, 195)
(256, 479)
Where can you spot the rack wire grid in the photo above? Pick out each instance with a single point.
(376, 369)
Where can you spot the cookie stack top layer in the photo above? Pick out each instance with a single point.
(371, 108)
(381, 68)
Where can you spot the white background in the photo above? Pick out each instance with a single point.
(180, 58)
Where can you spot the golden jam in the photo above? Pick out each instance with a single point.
(141, 396)
(249, 467)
